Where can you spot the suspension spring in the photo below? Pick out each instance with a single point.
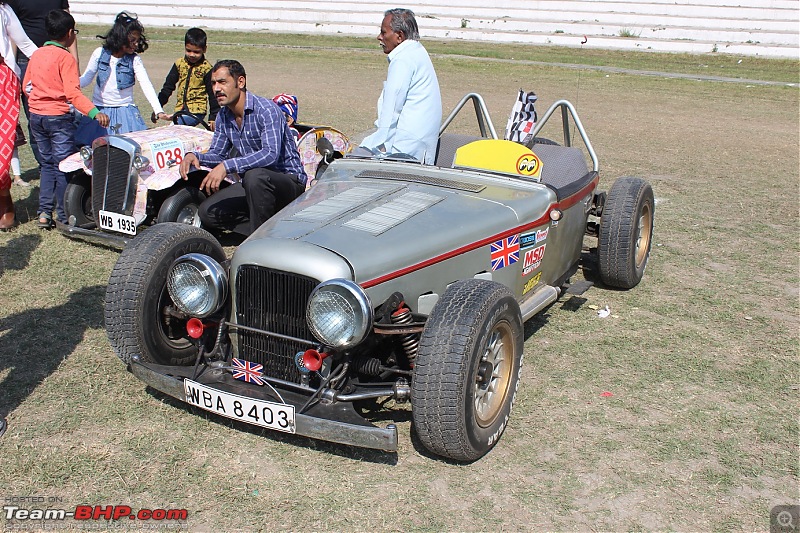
(409, 342)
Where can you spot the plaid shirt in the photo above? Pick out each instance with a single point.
(264, 140)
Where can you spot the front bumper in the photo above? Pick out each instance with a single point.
(95, 236)
(336, 422)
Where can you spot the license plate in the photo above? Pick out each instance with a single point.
(117, 222)
(270, 415)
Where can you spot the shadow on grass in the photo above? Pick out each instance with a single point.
(35, 342)
(16, 254)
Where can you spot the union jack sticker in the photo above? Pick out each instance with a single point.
(505, 252)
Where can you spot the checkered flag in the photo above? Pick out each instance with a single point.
(522, 118)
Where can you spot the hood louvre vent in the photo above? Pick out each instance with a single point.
(427, 180)
(397, 210)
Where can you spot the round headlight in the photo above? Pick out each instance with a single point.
(197, 284)
(339, 313)
(86, 153)
(140, 162)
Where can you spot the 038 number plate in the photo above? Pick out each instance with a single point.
(257, 412)
(117, 222)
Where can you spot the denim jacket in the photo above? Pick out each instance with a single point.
(125, 75)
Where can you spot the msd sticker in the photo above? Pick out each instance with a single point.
(533, 259)
(532, 238)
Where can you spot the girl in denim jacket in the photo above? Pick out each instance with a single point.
(118, 66)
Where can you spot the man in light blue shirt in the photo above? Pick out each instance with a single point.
(410, 105)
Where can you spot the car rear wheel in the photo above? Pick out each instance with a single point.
(467, 370)
(626, 232)
(182, 207)
(78, 199)
(137, 297)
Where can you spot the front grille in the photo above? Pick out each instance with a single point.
(110, 170)
(273, 301)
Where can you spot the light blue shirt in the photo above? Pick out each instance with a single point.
(410, 105)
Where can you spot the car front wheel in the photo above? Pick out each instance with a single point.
(467, 370)
(78, 199)
(182, 207)
(137, 300)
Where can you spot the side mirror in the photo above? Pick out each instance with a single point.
(325, 149)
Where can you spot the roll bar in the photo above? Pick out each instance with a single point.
(487, 128)
(481, 113)
(567, 110)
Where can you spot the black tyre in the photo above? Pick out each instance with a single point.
(137, 295)
(182, 207)
(78, 199)
(626, 231)
(467, 370)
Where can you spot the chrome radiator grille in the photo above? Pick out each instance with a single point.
(273, 301)
(110, 170)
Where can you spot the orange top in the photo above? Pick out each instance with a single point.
(51, 83)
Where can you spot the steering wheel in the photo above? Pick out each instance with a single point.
(177, 114)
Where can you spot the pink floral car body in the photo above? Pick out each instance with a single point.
(124, 182)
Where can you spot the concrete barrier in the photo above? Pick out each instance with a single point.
(744, 27)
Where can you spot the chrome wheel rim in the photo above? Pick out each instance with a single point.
(643, 233)
(494, 375)
(188, 215)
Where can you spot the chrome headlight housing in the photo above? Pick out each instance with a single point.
(197, 284)
(339, 313)
(140, 162)
(86, 153)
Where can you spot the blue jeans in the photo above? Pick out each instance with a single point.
(55, 135)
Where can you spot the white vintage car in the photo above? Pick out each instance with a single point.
(124, 182)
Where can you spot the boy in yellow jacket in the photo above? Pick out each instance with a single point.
(191, 76)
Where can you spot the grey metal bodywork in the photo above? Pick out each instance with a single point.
(396, 227)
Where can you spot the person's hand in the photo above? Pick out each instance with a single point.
(210, 183)
(189, 160)
(211, 125)
(162, 116)
(102, 119)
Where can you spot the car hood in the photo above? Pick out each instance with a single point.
(382, 216)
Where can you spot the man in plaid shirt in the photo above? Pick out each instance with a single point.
(268, 162)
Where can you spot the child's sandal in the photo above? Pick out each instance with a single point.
(45, 221)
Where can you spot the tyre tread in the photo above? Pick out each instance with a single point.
(440, 371)
(619, 222)
(133, 272)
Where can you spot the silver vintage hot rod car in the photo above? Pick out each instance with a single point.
(388, 279)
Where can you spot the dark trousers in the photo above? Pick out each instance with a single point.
(55, 136)
(243, 207)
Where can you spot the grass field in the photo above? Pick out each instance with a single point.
(700, 432)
